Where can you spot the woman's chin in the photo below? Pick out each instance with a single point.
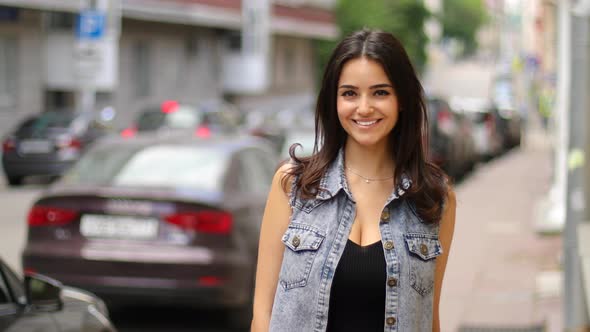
(367, 142)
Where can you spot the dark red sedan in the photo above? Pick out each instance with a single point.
(164, 221)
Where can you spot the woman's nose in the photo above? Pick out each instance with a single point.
(364, 107)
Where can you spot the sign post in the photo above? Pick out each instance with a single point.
(97, 32)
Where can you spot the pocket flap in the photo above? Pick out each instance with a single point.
(425, 246)
(302, 237)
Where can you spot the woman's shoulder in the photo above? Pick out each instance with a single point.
(286, 175)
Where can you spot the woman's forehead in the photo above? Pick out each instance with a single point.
(363, 71)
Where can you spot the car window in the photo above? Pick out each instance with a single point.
(182, 118)
(14, 285)
(154, 166)
(46, 121)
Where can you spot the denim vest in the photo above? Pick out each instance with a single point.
(315, 239)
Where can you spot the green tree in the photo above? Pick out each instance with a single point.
(404, 18)
(461, 19)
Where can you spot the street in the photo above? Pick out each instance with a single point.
(495, 205)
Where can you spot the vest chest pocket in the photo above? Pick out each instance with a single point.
(302, 243)
(423, 249)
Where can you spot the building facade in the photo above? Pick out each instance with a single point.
(188, 50)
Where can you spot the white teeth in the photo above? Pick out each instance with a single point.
(366, 123)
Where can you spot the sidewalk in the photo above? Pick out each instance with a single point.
(501, 274)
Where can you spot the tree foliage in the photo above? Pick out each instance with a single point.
(404, 18)
(461, 19)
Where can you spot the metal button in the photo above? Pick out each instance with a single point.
(390, 320)
(385, 216)
(423, 249)
(296, 241)
(392, 282)
(388, 245)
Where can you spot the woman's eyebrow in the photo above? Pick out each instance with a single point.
(376, 86)
(382, 85)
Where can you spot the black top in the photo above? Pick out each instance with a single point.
(357, 298)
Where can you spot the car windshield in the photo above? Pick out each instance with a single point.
(165, 165)
(45, 122)
(182, 118)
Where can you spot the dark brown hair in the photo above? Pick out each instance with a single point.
(408, 139)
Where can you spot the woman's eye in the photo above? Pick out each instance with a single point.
(381, 93)
(348, 93)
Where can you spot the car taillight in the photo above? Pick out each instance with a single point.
(210, 281)
(129, 132)
(8, 145)
(216, 222)
(71, 142)
(203, 132)
(443, 116)
(169, 106)
(50, 216)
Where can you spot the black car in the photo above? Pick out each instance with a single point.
(43, 304)
(202, 119)
(48, 144)
(157, 220)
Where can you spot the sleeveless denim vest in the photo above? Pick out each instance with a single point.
(314, 242)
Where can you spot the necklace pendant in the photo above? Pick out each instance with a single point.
(367, 181)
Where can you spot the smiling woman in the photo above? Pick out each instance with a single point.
(365, 222)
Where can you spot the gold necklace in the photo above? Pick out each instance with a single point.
(368, 180)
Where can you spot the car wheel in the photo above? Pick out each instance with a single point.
(15, 180)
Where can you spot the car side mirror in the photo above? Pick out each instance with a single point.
(43, 293)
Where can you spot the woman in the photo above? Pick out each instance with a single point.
(356, 237)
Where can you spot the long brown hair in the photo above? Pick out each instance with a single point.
(409, 138)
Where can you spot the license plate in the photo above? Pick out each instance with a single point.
(35, 146)
(118, 227)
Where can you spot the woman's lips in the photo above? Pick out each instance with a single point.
(366, 123)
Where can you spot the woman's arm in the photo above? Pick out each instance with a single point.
(447, 228)
(270, 251)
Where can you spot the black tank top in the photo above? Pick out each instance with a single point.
(357, 298)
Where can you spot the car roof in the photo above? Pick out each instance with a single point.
(229, 143)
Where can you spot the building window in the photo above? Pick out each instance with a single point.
(234, 41)
(142, 68)
(8, 71)
(60, 21)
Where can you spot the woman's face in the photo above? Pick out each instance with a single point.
(366, 103)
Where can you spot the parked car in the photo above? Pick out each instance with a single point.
(154, 220)
(451, 144)
(203, 119)
(48, 144)
(509, 125)
(40, 303)
(487, 138)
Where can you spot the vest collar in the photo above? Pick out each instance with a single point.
(334, 180)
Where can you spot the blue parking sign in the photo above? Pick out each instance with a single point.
(90, 25)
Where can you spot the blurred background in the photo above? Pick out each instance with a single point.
(139, 138)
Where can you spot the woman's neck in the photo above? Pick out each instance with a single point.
(372, 162)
